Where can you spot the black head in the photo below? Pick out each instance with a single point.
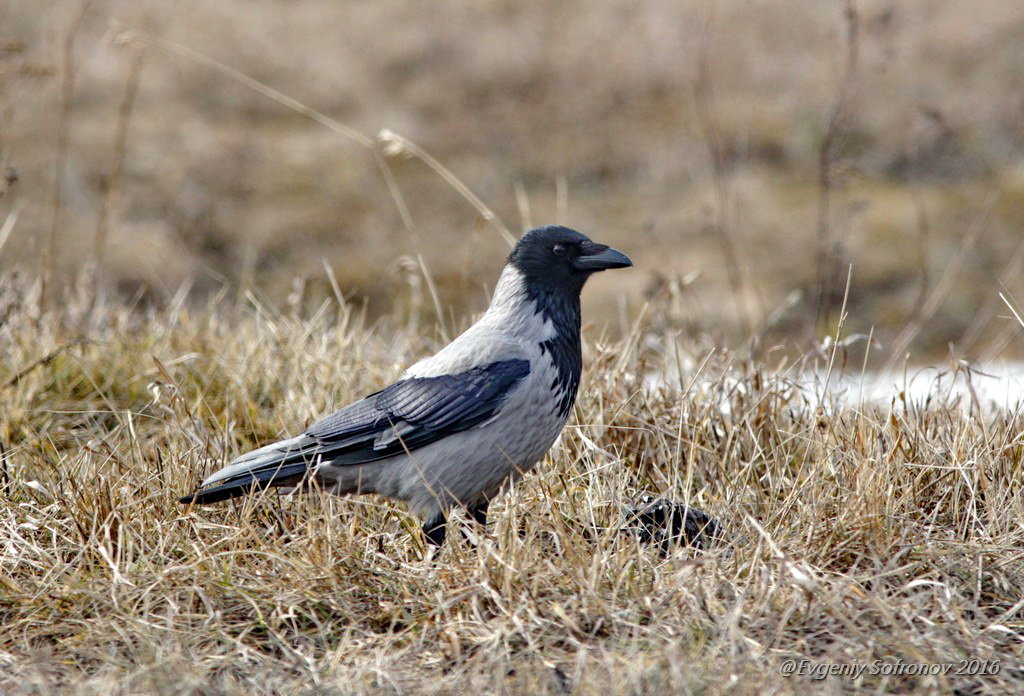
(557, 259)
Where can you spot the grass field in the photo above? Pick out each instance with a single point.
(855, 533)
(220, 219)
(692, 135)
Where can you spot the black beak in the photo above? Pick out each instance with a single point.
(598, 257)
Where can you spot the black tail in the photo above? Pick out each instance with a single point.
(247, 482)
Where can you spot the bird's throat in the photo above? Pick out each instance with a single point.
(563, 346)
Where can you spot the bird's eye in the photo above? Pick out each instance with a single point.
(559, 250)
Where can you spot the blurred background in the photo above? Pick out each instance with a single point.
(746, 154)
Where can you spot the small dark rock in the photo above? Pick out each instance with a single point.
(668, 523)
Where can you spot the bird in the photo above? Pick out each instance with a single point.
(459, 425)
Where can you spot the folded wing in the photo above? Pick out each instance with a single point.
(410, 414)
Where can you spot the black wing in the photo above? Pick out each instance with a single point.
(415, 412)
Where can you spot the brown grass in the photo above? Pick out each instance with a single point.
(256, 269)
(855, 532)
(693, 138)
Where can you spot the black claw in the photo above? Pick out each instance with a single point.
(479, 513)
(434, 529)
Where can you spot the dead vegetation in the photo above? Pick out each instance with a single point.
(766, 150)
(218, 260)
(854, 532)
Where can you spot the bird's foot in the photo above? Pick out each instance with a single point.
(479, 515)
(435, 528)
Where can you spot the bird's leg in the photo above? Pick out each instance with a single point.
(479, 513)
(434, 529)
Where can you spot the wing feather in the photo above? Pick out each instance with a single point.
(409, 414)
(414, 412)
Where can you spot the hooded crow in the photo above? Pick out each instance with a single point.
(457, 425)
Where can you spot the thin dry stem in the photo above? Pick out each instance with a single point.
(826, 258)
(48, 260)
(856, 531)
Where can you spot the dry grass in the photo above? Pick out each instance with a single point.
(855, 532)
(692, 138)
(730, 153)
